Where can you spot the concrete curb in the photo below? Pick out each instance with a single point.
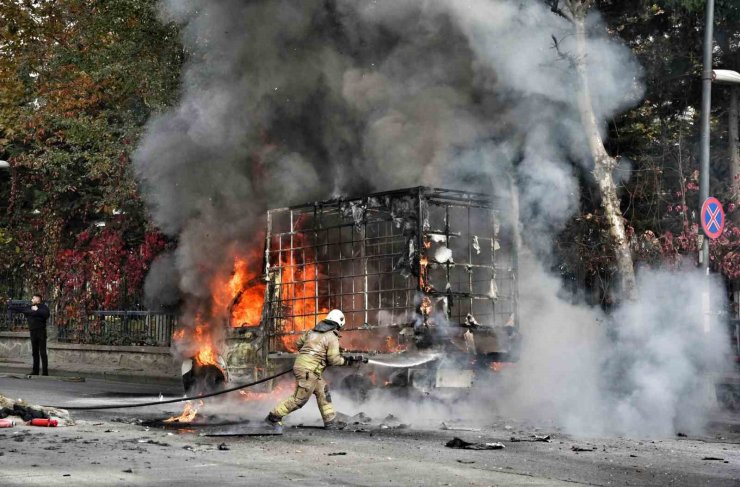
(20, 370)
(42, 377)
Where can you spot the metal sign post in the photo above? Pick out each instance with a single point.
(713, 223)
(706, 106)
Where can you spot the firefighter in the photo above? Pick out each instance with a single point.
(317, 349)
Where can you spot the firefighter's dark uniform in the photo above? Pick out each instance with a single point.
(317, 349)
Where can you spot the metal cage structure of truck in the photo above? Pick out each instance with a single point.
(407, 268)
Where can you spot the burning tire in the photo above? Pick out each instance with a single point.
(203, 378)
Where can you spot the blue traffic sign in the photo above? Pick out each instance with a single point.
(712, 217)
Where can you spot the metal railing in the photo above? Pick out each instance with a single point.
(120, 328)
(13, 321)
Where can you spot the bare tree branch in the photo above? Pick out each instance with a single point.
(554, 7)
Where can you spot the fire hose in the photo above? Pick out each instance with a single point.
(235, 388)
(171, 401)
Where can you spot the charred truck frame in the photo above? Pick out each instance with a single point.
(415, 271)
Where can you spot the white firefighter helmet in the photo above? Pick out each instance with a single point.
(337, 317)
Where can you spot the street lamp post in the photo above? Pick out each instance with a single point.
(706, 106)
(732, 79)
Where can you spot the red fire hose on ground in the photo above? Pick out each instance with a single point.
(171, 401)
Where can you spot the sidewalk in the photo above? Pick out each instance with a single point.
(81, 372)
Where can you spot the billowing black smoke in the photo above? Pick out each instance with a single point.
(288, 101)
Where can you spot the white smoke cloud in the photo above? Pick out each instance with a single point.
(647, 370)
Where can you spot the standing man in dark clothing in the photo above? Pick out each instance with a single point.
(36, 314)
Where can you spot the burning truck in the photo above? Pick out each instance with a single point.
(420, 272)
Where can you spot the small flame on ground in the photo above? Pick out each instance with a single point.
(187, 416)
(498, 366)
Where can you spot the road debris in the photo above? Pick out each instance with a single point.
(461, 444)
(392, 422)
(714, 458)
(533, 438)
(153, 442)
(242, 429)
(46, 422)
(336, 454)
(577, 449)
(223, 447)
(28, 412)
(452, 427)
(359, 418)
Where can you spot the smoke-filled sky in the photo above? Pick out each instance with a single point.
(289, 101)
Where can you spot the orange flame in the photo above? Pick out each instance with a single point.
(206, 354)
(243, 291)
(426, 306)
(187, 416)
(498, 366)
(423, 267)
(391, 345)
(300, 296)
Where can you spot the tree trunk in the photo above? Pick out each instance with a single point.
(604, 164)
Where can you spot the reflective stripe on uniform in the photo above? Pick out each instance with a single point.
(327, 412)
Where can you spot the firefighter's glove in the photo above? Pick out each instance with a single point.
(354, 359)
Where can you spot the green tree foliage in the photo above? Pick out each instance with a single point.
(657, 142)
(78, 79)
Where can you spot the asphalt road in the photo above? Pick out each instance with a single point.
(114, 448)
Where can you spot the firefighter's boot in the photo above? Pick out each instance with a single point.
(334, 424)
(275, 422)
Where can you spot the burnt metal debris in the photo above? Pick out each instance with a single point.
(578, 449)
(460, 444)
(412, 269)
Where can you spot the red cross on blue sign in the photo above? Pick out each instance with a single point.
(712, 217)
